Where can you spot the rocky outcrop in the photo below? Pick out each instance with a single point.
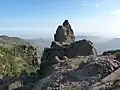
(112, 52)
(79, 48)
(64, 48)
(98, 67)
(111, 82)
(115, 54)
(70, 65)
(64, 33)
(77, 73)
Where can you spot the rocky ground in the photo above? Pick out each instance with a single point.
(80, 73)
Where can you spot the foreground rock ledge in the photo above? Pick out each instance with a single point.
(78, 73)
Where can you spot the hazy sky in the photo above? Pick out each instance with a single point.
(40, 18)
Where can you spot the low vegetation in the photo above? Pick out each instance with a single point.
(16, 59)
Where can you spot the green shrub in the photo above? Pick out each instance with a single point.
(15, 59)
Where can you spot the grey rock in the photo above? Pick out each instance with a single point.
(64, 33)
(91, 72)
(59, 52)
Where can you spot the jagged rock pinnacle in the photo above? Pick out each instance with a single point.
(64, 33)
(66, 24)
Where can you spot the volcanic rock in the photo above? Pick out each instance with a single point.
(68, 76)
(64, 33)
(61, 49)
(78, 48)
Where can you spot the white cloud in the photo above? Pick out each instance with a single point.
(115, 14)
(102, 27)
(96, 5)
(85, 4)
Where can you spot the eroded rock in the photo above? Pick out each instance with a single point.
(64, 33)
(64, 47)
(68, 76)
(64, 51)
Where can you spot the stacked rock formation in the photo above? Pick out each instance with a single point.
(74, 65)
(64, 46)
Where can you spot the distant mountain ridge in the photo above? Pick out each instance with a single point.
(96, 39)
(101, 43)
(12, 40)
(40, 42)
(17, 56)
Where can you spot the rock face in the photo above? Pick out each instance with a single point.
(78, 74)
(70, 65)
(98, 67)
(79, 48)
(111, 82)
(64, 33)
(112, 52)
(64, 48)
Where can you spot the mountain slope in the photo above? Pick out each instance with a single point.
(101, 43)
(114, 43)
(94, 39)
(12, 40)
(16, 56)
(16, 59)
(40, 42)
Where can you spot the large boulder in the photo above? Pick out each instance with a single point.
(80, 48)
(64, 33)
